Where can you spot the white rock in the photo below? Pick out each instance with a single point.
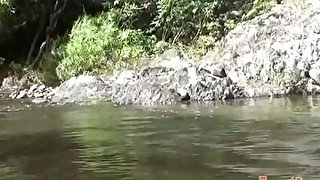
(39, 101)
(192, 75)
(41, 87)
(38, 95)
(32, 88)
(22, 94)
(124, 77)
(182, 92)
(315, 75)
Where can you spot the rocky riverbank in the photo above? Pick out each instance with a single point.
(275, 54)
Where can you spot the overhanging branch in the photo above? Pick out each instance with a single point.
(54, 17)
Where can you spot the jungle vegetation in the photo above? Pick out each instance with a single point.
(57, 39)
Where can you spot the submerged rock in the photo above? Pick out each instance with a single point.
(39, 101)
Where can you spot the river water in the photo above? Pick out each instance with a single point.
(231, 140)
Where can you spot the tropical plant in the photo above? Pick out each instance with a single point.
(113, 34)
(97, 45)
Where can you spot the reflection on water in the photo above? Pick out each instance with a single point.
(217, 140)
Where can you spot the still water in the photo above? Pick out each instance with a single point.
(216, 141)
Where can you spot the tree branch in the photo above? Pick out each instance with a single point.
(52, 25)
(39, 30)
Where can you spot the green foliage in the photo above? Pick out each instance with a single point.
(184, 19)
(5, 3)
(96, 45)
(8, 20)
(111, 40)
(127, 14)
(51, 59)
(258, 7)
(201, 45)
(5, 6)
(125, 31)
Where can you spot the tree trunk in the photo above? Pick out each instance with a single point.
(52, 25)
(40, 28)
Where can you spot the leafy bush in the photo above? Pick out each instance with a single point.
(119, 36)
(199, 47)
(110, 40)
(186, 20)
(97, 45)
(259, 6)
(5, 3)
(51, 59)
(183, 19)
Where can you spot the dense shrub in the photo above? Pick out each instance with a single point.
(259, 6)
(115, 34)
(183, 19)
(115, 39)
(96, 44)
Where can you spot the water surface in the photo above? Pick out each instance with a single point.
(219, 140)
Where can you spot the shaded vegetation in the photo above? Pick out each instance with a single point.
(63, 38)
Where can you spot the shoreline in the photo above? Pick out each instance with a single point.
(168, 79)
(258, 58)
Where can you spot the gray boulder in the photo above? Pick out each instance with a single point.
(315, 75)
(82, 89)
(275, 54)
(154, 82)
(313, 85)
(270, 53)
(172, 77)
